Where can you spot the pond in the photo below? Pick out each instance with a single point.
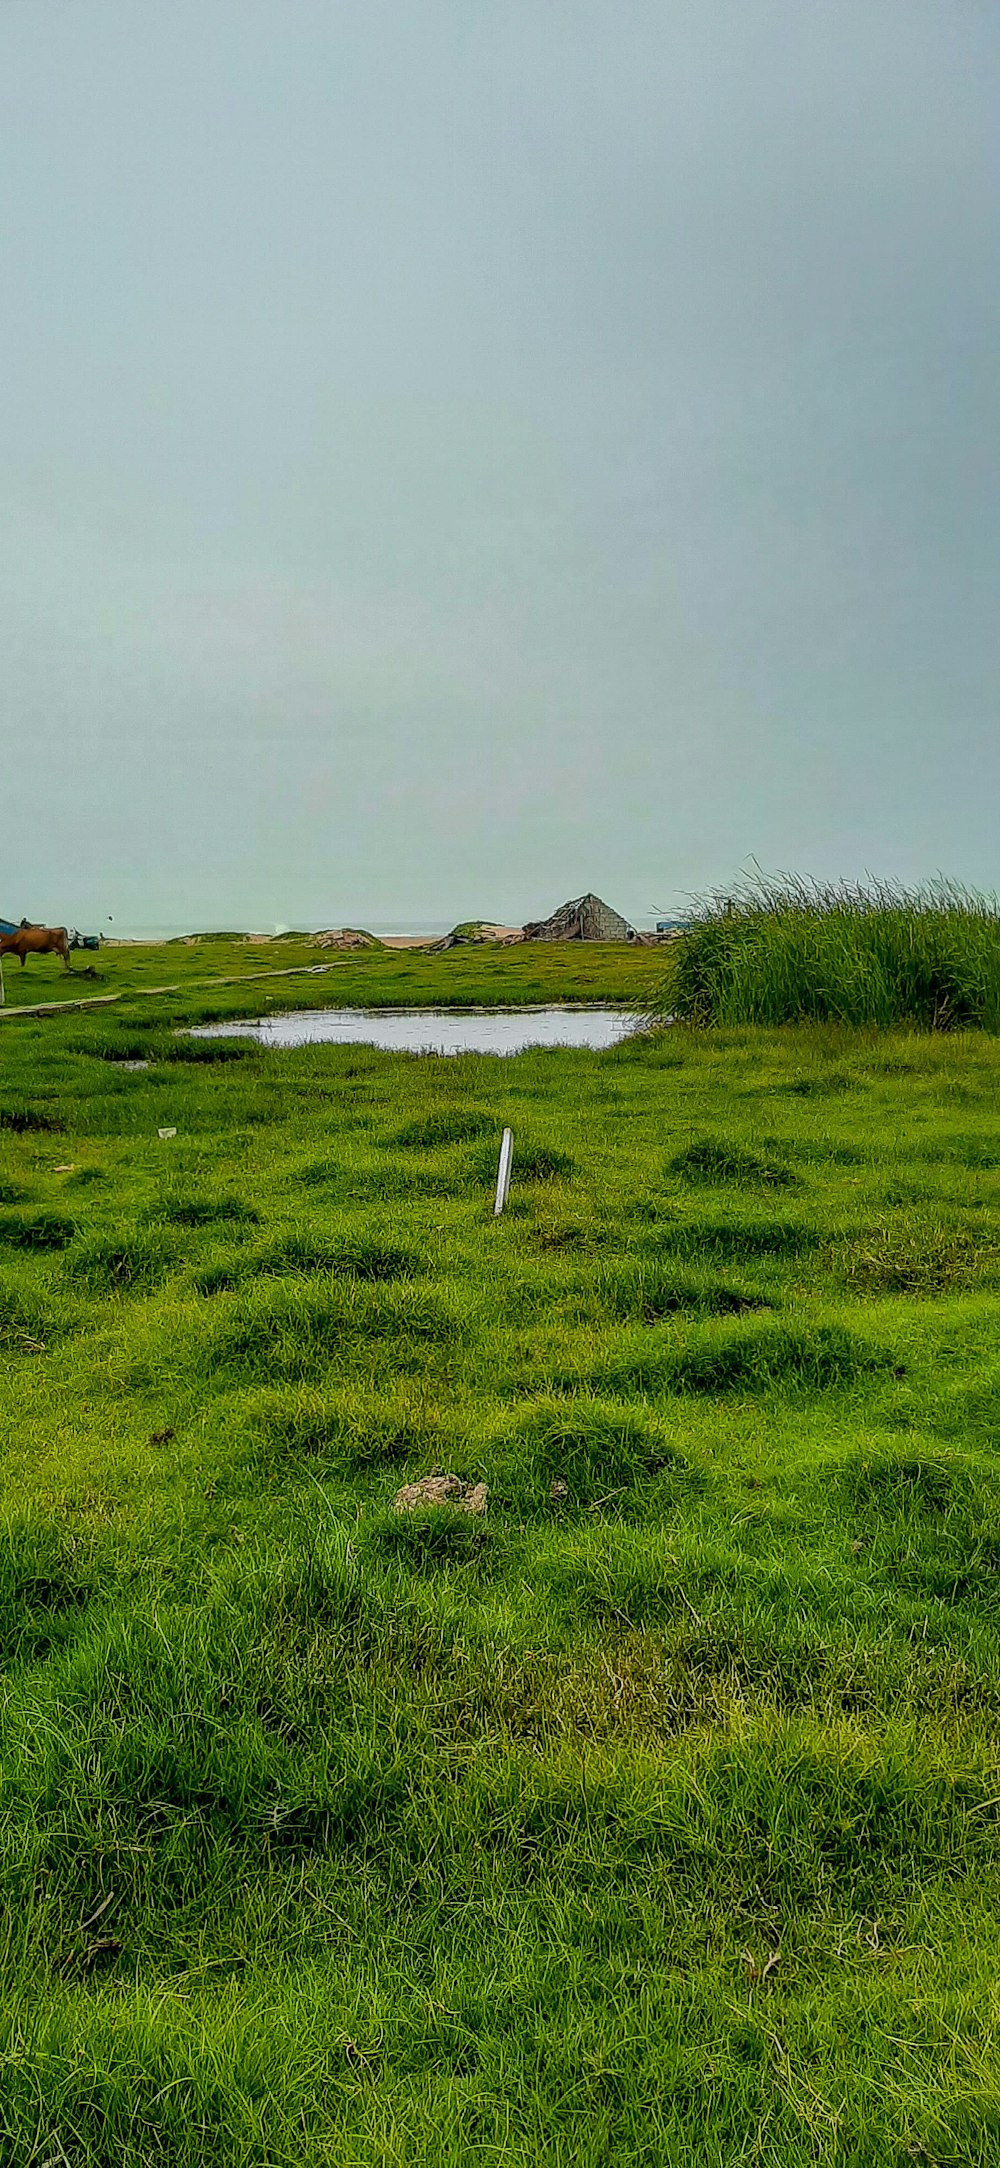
(433, 1031)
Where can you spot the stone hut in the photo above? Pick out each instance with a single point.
(585, 919)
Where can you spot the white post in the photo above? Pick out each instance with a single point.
(503, 1171)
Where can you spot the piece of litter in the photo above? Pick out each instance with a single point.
(68, 1168)
(441, 1490)
(166, 1132)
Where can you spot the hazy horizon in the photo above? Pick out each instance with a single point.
(458, 458)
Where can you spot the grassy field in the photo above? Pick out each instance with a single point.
(653, 1818)
(219, 977)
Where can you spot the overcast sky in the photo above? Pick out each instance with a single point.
(457, 453)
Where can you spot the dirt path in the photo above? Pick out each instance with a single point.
(144, 993)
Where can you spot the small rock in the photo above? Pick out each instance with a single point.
(441, 1490)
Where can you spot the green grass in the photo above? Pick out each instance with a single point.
(222, 975)
(654, 1818)
(790, 952)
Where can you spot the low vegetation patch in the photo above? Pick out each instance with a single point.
(14, 1192)
(299, 1329)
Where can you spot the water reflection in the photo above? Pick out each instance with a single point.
(433, 1031)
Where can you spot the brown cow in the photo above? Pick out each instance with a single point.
(36, 941)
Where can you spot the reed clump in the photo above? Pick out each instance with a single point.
(873, 955)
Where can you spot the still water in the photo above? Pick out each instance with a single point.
(433, 1031)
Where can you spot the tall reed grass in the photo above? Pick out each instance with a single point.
(786, 950)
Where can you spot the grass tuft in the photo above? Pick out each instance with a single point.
(540, 1163)
(887, 1485)
(733, 1240)
(29, 1121)
(787, 951)
(205, 1211)
(36, 1230)
(920, 1260)
(205, 1052)
(124, 1261)
(44, 1588)
(446, 1125)
(592, 1450)
(650, 1291)
(426, 1541)
(713, 1159)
